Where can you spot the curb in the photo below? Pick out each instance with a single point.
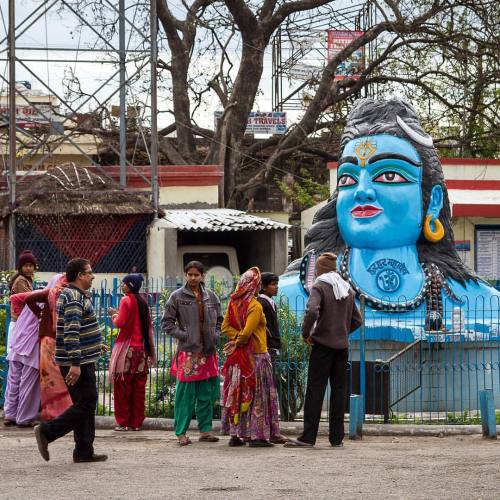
(295, 428)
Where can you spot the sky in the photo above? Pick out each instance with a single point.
(56, 29)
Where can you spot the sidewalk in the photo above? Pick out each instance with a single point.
(295, 428)
(150, 465)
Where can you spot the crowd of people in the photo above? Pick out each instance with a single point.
(55, 341)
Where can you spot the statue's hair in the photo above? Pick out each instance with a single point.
(371, 117)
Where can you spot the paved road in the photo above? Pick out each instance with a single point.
(150, 465)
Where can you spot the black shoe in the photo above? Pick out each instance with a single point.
(259, 443)
(236, 441)
(43, 444)
(93, 458)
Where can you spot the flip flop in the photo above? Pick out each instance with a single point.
(120, 428)
(209, 438)
(184, 442)
(297, 444)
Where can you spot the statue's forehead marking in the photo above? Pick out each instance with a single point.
(364, 149)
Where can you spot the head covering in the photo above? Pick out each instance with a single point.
(268, 278)
(326, 262)
(55, 286)
(26, 257)
(247, 288)
(133, 281)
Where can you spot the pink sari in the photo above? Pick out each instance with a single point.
(54, 393)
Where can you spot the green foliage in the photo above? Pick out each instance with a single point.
(292, 365)
(304, 192)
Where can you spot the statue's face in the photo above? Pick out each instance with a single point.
(379, 202)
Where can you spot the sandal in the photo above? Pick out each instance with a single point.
(135, 429)
(295, 443)
(120, 428)
(208, 438)
(184, 441)
(279, 439)
(8, 423)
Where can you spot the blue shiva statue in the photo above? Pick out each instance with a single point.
(389, 222)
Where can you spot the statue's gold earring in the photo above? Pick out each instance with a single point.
(433, 235)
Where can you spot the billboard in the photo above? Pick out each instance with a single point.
(261, 122)
(337, 41)
(29, 117)
(304, 72)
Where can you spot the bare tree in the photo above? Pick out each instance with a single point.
(442, 54)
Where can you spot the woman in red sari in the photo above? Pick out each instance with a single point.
(133, 354)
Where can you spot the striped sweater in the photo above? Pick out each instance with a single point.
(78, 338)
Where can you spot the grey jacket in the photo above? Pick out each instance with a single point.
(180, 320)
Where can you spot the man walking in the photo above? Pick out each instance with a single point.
(330, 316)
(78, 347)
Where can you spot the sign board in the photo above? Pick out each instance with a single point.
(337, 41)
(262, 122)
(488, 252)
(30, 116)
(463, 250)
(304, 72)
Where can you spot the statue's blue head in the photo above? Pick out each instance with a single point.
(379, 201)
(389, 180)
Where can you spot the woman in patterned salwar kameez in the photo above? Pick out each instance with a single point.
(249, 399)
(193, 316)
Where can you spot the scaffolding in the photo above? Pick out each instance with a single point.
(299, 51)
(117, 55)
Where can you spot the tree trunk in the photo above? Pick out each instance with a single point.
(234, 124)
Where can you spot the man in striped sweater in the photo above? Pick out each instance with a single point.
(78, 347)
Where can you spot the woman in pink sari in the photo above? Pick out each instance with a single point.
(55, 397)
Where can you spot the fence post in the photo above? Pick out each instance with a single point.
(362, 367)
(488, 418)
(355, 417)
(115, 292)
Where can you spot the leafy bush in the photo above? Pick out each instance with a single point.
(292, 365)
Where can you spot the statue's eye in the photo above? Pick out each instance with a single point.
(390, 178)
(346, 180)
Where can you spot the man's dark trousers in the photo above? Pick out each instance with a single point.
(79, 418)
(325, 364)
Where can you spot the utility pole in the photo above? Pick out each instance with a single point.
(12, 133)
(123, 116)
(154, 106)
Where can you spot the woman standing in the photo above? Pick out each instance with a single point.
(55, 398)
(250, 403)
(193, 316)
(22, 394)
(21, 282)
(133, 353)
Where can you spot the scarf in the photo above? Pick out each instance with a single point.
(247, 288)
(55, 286)
(339, 286)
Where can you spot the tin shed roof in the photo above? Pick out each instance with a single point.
(219, 219)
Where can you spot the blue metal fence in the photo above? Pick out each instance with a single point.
(415, 377)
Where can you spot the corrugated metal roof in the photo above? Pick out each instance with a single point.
(220, 219)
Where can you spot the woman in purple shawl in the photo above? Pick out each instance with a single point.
(22, 395)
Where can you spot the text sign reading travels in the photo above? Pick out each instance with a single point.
(261, 122)
(338, 40)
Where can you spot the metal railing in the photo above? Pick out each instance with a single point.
(410, 375)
